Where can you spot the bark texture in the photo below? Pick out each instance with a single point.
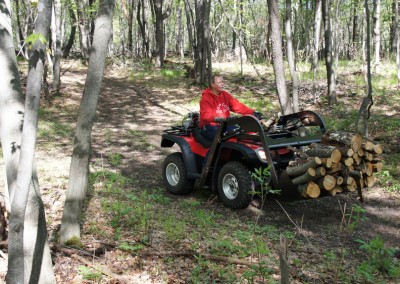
(29, 255)
(332, 99)
(277, 57)
(78, 178)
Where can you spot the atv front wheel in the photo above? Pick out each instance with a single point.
(174, 175)
(235, 185)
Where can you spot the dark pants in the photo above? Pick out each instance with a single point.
(209, 132)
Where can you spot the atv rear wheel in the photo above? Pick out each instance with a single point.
(235, 185)
(174, 175)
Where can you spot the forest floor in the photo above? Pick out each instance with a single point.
(134, 109)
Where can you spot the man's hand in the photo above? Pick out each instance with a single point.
(258, 115)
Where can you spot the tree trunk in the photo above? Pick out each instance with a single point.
(364, 111)
(128, 13)
(377, 33)
(22, 49)
(179, 46)
(277, 57)
(356, 36)
(141, 19)
(29, 255)
(83, 28)
(77, 185)
(330, 72)
(190, 24)
(57, 51)
(159, 31)
(11, 105)
(290, 56)
(397, 21)
(202, 49)
(317, 31)
(71, 38)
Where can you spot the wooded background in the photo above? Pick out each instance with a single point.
(198, 33)
(207, 31)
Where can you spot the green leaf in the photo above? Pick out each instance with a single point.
(32, 38)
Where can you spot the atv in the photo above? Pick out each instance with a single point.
(242, 144)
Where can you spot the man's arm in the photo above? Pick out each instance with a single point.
(238, 107)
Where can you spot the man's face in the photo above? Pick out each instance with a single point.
(218, 84)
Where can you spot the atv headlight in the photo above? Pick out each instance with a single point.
(261, 154)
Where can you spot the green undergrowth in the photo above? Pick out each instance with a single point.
(186, 224)
(137, 218)
(51, 129)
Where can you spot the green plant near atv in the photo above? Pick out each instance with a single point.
(131, 247)
(356, 217)
(90, 274)
(174, 229)
(206, 271)
(334, 261)
(263, 177)
(172, 73)
(115, 159)
(379, 259)
(139, 140)
(388, 179)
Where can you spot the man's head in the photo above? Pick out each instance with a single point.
(217, 84)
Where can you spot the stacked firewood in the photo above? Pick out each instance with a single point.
(341, 162)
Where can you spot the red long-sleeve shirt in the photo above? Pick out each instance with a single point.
(212, 106)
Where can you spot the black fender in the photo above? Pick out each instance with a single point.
(247, 153)
(168, 140)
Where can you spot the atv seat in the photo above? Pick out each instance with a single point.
(200, 138)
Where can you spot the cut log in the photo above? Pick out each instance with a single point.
(326, 152)
(346, 151)
(356, 142)
(342, 162)
(327, 162)
(335, 190)
(348, 180)
(368, 146)
(377, 167)
(267, 124)
(377, 158)
(368, 156)
(327, 182)
(320, 172)
(365, 168)
(378, 149)
(295, 171)
(306, 177)
(340, 139)
(353, 186)
(339, 180)
(370, 181)
(336, 167)
(348, 161)
(311, 189)
(356, 158)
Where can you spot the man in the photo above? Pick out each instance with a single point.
(216, 105)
